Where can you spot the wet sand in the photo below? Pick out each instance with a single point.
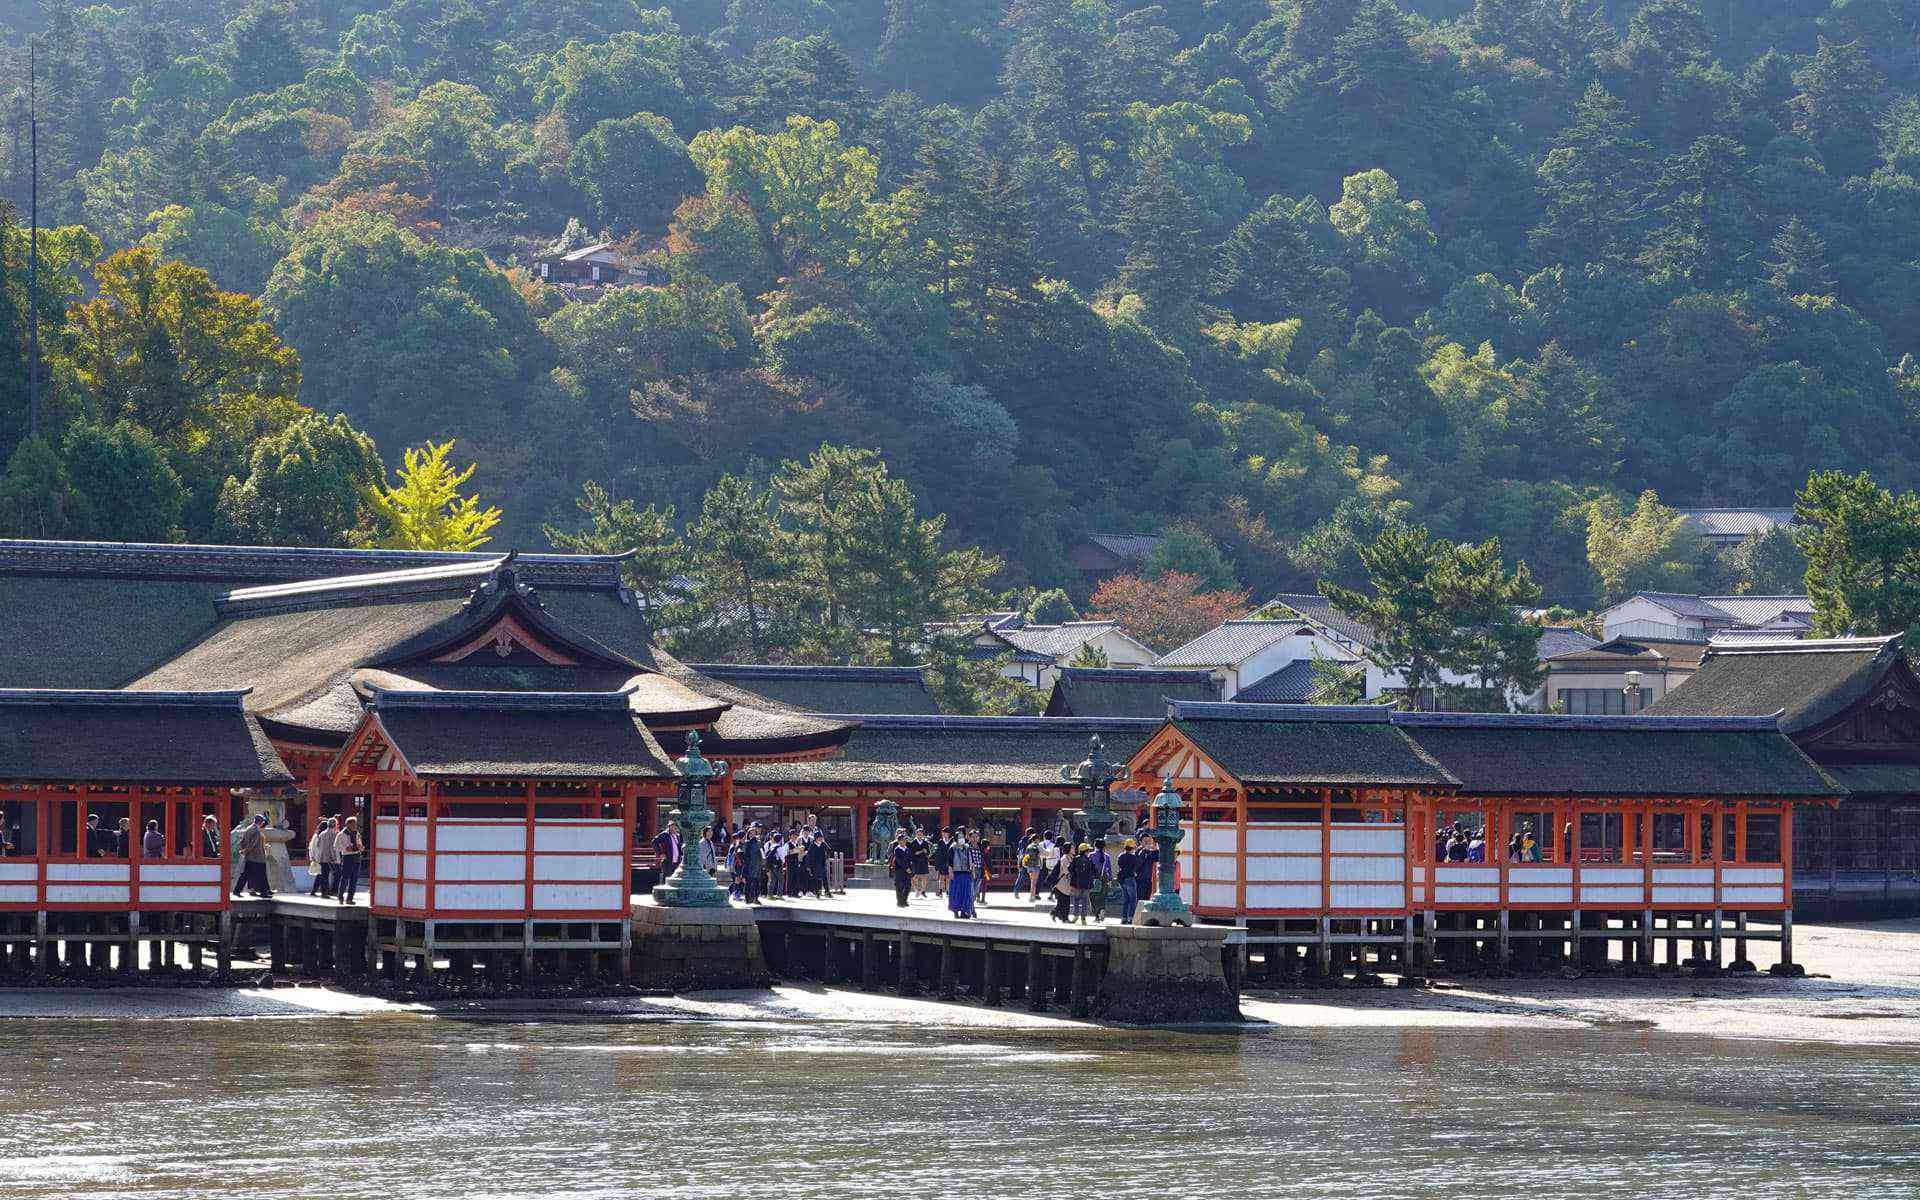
(1863, 987)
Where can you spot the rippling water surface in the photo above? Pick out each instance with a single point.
(421, 1109)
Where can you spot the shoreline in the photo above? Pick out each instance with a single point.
(1862, 988)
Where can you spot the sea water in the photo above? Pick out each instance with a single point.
(416, 1107)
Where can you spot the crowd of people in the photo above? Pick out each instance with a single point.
(1082, 880)
(765, 862)
(1460, 843)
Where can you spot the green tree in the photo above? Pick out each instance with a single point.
(36, 496)
(1836, 106)
(423, 509)
(1799, 263)
(1652, 548)
(1439, 606)
(124, 488)
(809, 192)
(1188, 550)
(1767, 563)
(1592, 183)
(1862, 545)
(741, 560)
(657, 564)
(635, 171)
(307, 485)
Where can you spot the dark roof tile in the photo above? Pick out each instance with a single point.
(1122, 692)
(179, 738)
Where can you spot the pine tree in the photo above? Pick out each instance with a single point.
(1836, 105)
(1799, 263)
(1589, 184)
(655, 572)
(1167, 263)
(740, 558)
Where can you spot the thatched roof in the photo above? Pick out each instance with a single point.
(521, 735)
(963, 751)
(1809, 683)
(1544, 755)
(1306, 745)
(832, 689)
(1119, 692)
(170, 738)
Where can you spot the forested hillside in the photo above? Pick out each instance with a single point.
(1287, 271)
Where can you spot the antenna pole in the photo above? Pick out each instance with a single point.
(33, 241)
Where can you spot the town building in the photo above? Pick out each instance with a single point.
(1034, 653)
(1726, 527)
(1654, 641)
(1100, 556)
(602, 264)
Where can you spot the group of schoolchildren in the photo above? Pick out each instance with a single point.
(1083, 880)
(1457, 843)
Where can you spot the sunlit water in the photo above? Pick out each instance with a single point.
(418, 1108)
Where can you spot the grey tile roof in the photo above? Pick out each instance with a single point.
(1291, 684)
(1320, 611)
(1760, 610)
(1130, 547)
(1682, 605)
(180, 738)
(574, 735)
(1736, 522)
(1056, 642)
(1229, 643)
(824, 689)
(1119, 692)
(1564, 639)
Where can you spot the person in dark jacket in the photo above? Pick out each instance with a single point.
(922, 864)
(1126, 875)
(753, 860)
(817, 864)
(1144, 864)
(901, 861)
(666, 851)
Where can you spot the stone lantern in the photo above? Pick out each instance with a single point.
(1166, 907)
(692, 886)
(1096, 777)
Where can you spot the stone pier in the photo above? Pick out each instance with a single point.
(1166, 976)
(691, 949)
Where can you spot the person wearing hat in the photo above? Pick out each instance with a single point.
(900, 861)
(1126, 871)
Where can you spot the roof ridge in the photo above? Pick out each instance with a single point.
(413, 581)
(804, 670)
(1791, 645)
(386, 698)
(1228, 710)
(999, 724)
(1610, 724)
(225, 698)
(167, 560)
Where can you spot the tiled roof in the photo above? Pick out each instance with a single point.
(1308, 744)
(1760, 610)
(1130, 547)
(961, 751)
(1291, 684)
(1320, 611)
(1682, 605)
(1229, 643)
(1056, 642)
(1564, 639)
(1527, 754)
(1120, 692)
(1736, 522)
(544, 735)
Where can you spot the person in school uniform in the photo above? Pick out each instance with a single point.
(901, 860)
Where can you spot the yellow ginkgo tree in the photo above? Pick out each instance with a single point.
(423, 509)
